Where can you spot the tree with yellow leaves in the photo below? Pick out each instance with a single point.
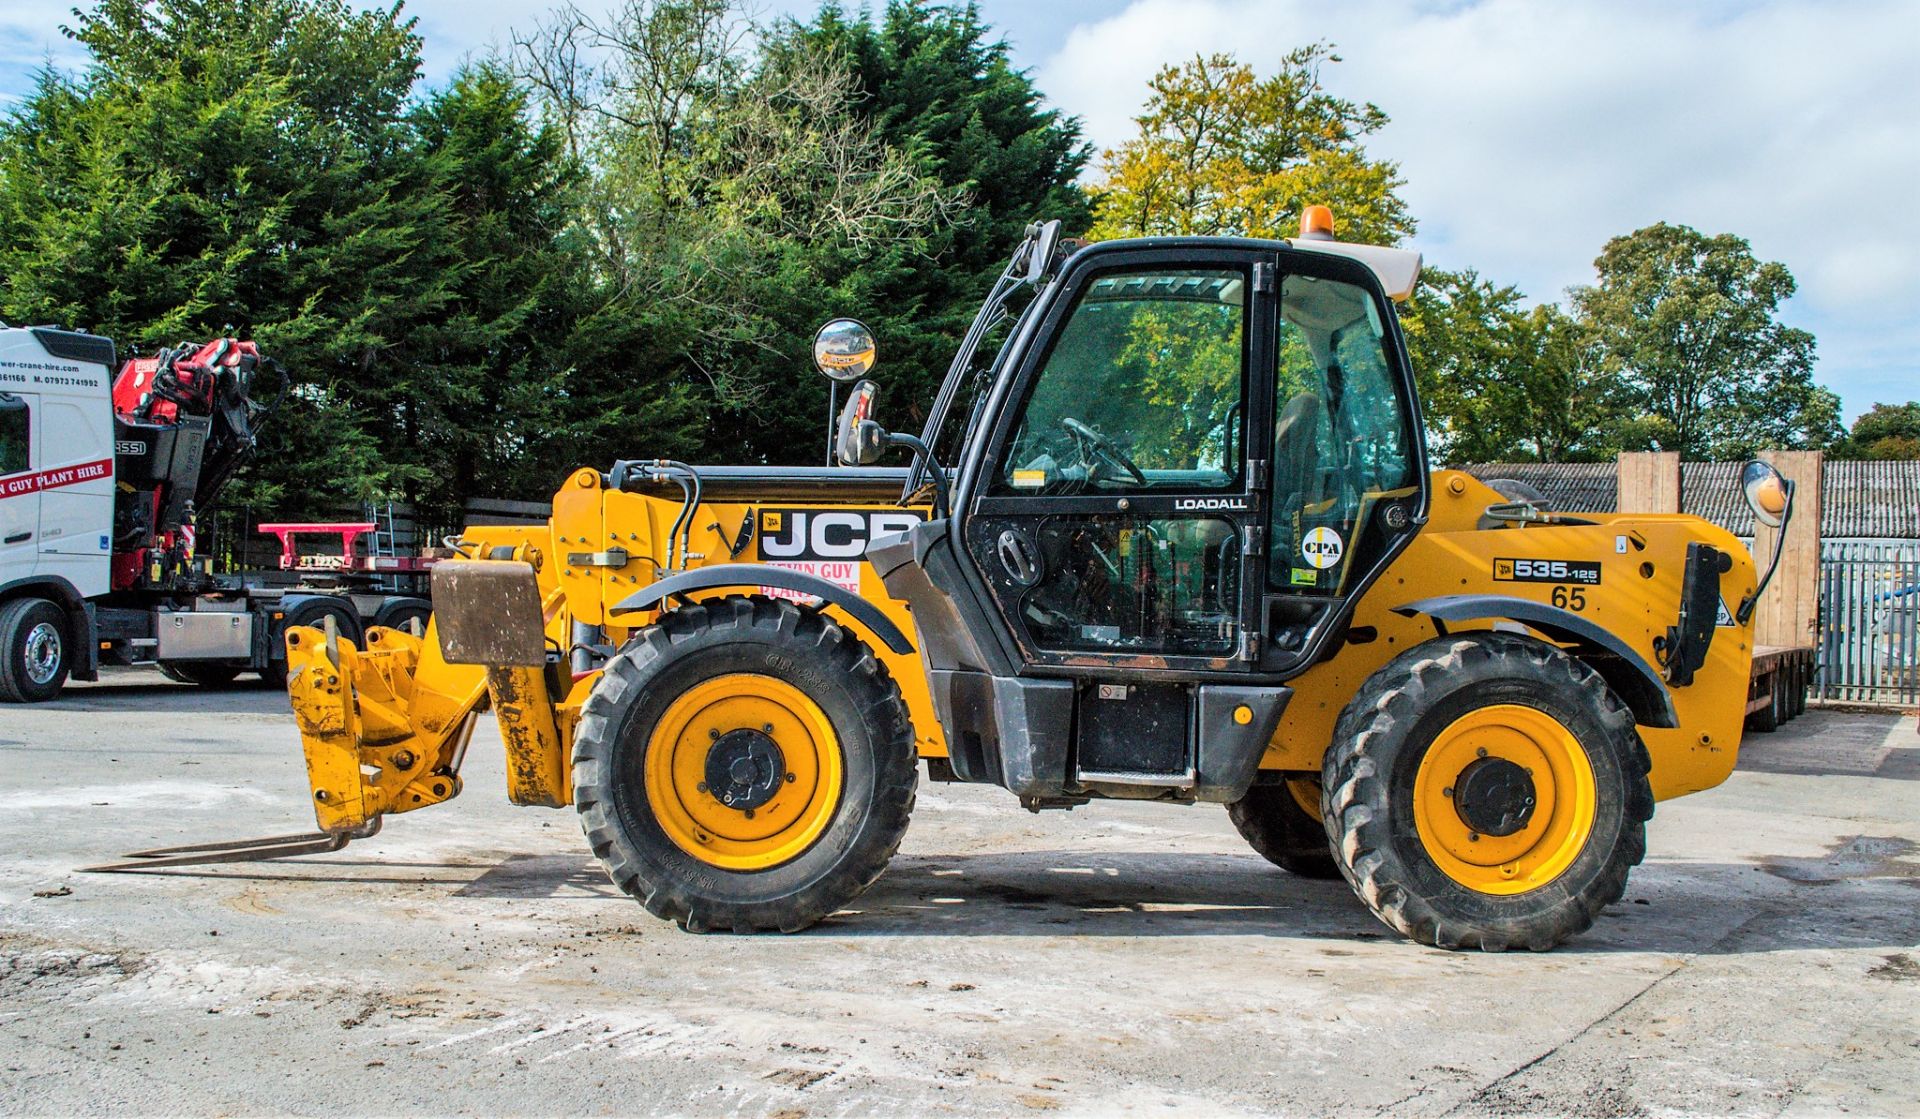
(1223, 151)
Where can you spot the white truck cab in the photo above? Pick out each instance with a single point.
(56, 459)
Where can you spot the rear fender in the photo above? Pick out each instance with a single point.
(1625, 671)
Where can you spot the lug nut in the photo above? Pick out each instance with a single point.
(749, 813)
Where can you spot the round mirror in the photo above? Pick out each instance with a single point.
(844, 349)
(1766, 492)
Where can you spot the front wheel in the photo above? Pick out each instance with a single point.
(33, 650)
(745, 765)
(1488, 791)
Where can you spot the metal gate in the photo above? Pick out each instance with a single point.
(1870, 623)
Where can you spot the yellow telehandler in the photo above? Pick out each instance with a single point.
(1177, 540)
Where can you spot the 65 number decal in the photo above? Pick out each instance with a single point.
(1570, 598)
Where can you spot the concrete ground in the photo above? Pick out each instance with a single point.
(1117, 959)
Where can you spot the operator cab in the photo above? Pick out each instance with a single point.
(1190, 457)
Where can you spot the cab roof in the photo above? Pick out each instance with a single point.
(1398, 270)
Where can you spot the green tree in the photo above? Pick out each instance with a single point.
(1223, 151)
(1690, 324)
(735, 202)
(243, 163)
(1886, 431)
(937, 84)
(1502, 383)
(496, 379)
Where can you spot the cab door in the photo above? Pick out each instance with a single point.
(19, 488)
(1117, 517)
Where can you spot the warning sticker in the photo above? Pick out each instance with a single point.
(1724, 617)
(1322, 548)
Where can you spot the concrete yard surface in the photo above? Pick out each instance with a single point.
(1117, 959)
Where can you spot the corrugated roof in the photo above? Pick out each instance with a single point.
(1869, 500)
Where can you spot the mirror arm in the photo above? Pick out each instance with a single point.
(1748, 603)
(922, 454)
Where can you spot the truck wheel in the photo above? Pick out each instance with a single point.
(33, 645)
(209, 674)
(744, 765)
(310, 613)
(1487, 791)
(1277, 821)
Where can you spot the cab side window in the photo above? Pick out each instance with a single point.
(14, 434)
(1342, 435)
(1141, 391)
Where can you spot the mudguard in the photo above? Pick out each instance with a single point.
(766, 575)
(1626, 671)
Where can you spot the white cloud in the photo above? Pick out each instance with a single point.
(1529, 133)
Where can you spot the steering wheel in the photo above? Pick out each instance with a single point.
(1103, 448)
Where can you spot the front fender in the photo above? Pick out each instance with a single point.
(1624, 669)
(766, 575)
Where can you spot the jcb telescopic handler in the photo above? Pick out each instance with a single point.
(1176, 541)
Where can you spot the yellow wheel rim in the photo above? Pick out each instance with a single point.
(1306, 794)
(754, 833)
(1562, 789)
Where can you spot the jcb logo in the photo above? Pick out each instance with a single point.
(828, 534)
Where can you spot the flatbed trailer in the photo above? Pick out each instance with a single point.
(1778, 690)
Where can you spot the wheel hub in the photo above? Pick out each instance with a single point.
(43, 652)
(744, 769)
(1494, 796)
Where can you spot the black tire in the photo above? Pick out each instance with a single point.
(310, 613)
(1369, 775)
(34, 650)
(206, 674)
(1767, 719)
(397, 615)
(1271, 819)
(688, 647)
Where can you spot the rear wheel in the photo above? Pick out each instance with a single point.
(34, 651)
(312, 612)
(744, 765)
(1487, 791)
(207, 674)
(1282, 823)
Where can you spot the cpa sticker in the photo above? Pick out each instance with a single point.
(1322, 548)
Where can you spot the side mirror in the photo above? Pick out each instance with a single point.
(858, 440)
(844, 350)
(1771, 498)
(1045, 238)
(1767, 492)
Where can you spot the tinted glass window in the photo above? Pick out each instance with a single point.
(14, 455)
(1141, 391)
(1342, 438)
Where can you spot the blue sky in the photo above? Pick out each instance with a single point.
(1529, 131)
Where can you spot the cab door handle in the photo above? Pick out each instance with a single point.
(18, 537)
(1018, 555)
